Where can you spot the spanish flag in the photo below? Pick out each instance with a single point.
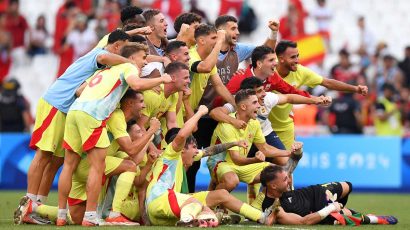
(312, 48)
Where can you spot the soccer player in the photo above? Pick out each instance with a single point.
(231, 167)
(316, 204)
(297, 75)
(166, 202)
(263, 64)
(157, 40)
(131, 105)
(86, 130)
(203, 64)
(203, 68)
(267, 100)
(233, 52)
(178, 51)
(162, 104)
(52, 109)
(131, 16)
(185, 25)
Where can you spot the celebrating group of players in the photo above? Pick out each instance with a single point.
(126, 121)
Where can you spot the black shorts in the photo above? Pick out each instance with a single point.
(334, 188)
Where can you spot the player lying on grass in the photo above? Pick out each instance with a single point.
(316, 204)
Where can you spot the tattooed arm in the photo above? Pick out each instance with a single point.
(215, 149)
(295, 157)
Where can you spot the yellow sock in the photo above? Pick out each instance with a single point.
(257, 203)
(122, 189)
(190, 211)
(250, 212)
(47, 211)
(253, 189)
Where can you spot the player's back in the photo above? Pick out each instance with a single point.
(104, 90)
(61, 93)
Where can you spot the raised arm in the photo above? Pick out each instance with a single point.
(294, 159)
(341, 86)
(183, 34)
(206, 65)
(283, 87)
(274, 27)
(179, 142)
(297, 99)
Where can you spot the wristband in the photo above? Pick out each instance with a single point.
(273, 35)
(324, 212)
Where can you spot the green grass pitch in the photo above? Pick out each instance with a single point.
(392, 204)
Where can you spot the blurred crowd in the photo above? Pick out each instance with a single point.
(80, 24)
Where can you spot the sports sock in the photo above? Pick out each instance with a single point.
(190, 211)
(32, 196)
(122, 189)
(47, 211)
(62, 214)
(34, 206)
(373, 219)
(114, 214)
(41, 199)
(250, 212)
(253, 189)
(90, 216)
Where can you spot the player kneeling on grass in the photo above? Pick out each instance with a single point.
(115, 165)
(232, 166)
(316, 204)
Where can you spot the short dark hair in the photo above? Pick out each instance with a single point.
(204, 30)
(223, 19)
(138, 38)
(174, 67)
(270, 173)
(251, 83)
(187, 18)
(149, 14)
(129, 12)
(174, 45)
(129, 27)
(344, 52)
(130, 49)
(388, 57)
(118, 35)
(172, 133)
(388, 86)
(283, 45)
(130, 124)
(243, 94)
(130, 94)
(259, 54)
